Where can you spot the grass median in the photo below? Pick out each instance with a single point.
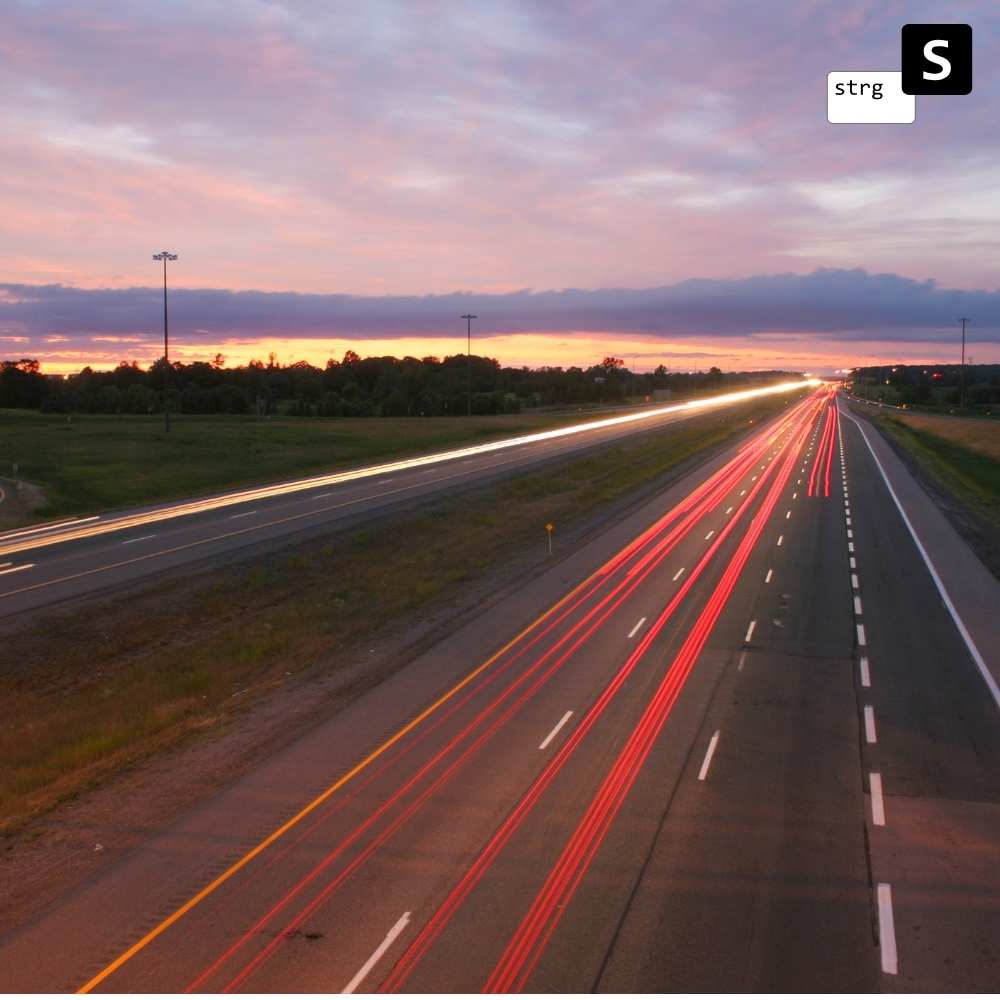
(84, 693)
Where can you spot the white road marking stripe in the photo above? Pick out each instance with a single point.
(246, 513)
(141, 538)
(886, 929)
(861, 635)
(11, 535)
(4, 564)
(788, 514)
(709, 535)
(562, 722)
(16, 569)
(636, 627)
(677, 575)
(857, 605)
(850, 546)
(994, 688)
(707, 762)
(322, 496)
(795, 496)
(781, 538)
(870, 734)
(848, 522)
(878, 802)
(767, 579)
(866, 677)
(397, 928)
(850, 534)
(743, 656)
(854, 579)
(729, 510)
(742, 492)
(854, 563)
(749, 634)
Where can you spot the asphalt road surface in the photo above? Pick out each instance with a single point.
(72, 559)
(737, 743)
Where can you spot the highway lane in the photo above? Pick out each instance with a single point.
(46, 564)
(698, 821)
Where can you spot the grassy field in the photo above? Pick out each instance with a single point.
(92, 690)
(962, 455)
(95, 463)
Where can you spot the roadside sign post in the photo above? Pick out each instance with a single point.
(549, 528)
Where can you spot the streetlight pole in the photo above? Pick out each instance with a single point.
(165, 255)
(961, 390)
(469, 317)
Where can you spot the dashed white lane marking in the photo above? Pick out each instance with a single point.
(850, 546)
(742, 492)
(854, 579)
(850, 534)
(770, 573)
(709, 535)
(753, 479)
(798, 482)
(322, 496)
(870, 734)
(795, 496)
(848, 522)
(16, 569)
(729, 510)
(709, 754)
(861, 635)
(749, 634)
(397, 928)
(743, 656)
(866, 677)
(562, 722)
(878, 802)
(991, 683)
(677, 575)
(788, 514)
(857, 605)
(781, 538)
(635, 628)
(141, 538)
(854, 563)
(246, 513)
(886, 929)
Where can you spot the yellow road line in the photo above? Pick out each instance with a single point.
(318, 801)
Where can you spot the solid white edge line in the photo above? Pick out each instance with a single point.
(397, 928)
(970, 644)
(866, 677)
(709, 754)
(636, 627)
(870, 735)
(562, 722)
(886, 929)
(750, 629)
(878, 801)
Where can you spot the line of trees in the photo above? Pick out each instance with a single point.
(929, 385)
(352, 387)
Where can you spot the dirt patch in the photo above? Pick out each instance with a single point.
(18, 501)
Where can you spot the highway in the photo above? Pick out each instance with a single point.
(77, 557)
(738, 742)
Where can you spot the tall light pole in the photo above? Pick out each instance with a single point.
(469, 317)
(961, 384)
(165, 255)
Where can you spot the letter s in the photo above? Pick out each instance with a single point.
(932, 57)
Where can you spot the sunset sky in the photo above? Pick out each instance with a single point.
(655, 180)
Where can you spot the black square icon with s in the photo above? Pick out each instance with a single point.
(937, 59)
